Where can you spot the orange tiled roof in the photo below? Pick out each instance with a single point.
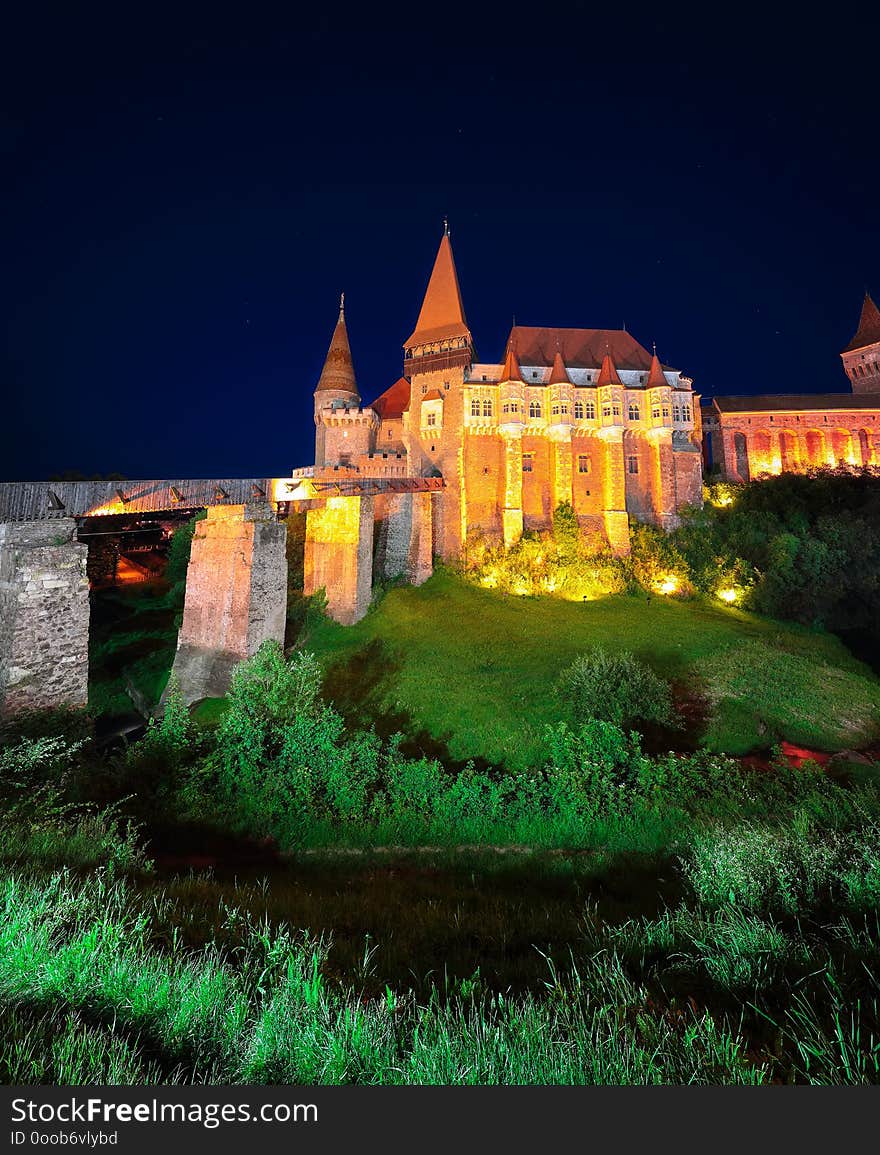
(442, 313)
(580, 348)
(559, 374)
(338, 371)
(655, 374)
(394, 402)
(433, 395)
(868, 332)
(511, 370)
(608, 374)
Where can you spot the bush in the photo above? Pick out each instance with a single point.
(615, 688)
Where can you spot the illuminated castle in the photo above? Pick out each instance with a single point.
(747, 437)
(586, 416)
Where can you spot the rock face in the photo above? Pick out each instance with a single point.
(236, 596)
(44, 616)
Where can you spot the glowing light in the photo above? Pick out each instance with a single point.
(728, 595)
(668, 584)
(520, 589)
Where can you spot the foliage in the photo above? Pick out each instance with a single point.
(615, 687)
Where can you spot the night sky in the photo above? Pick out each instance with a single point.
(184, 199)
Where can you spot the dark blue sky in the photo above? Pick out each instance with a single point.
(184, 198)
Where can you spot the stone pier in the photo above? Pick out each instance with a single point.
(236, 596)
(402, 543)
(339, 555)
(44, 616)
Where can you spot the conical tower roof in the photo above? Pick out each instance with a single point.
(511, 370)
(656, 376)
(608, 374)
(338, 371)
(442, 313)
(559, 373)
(868, 332)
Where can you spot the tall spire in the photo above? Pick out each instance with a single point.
(338, 371)
(656, 376)
(868, 332)
(608, 374)
(442, 313)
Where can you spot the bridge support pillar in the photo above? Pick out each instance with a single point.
(339, 556)
(236, 596)
(403, 536)
(44, 616)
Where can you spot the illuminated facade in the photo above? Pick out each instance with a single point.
(585, 416)
(748, 437)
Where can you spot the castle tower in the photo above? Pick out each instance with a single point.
(861, 357)
(337, 388)
(437, 355)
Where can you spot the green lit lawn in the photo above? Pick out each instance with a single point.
(477, 670)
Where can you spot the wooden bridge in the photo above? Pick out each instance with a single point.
(47, 500)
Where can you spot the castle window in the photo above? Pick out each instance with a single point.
(606, 410)
(665, 410)
(527, 463)
(590, 411)
(424, 388)
(687, 413)
(535, 374)
(487, 408)
(616, 410)
(390, 434)
(676, 413)
(632, 464)
(432, 418)
(505, 408)
(563, 409)
(655, 412)
(555, 410)
(633, 412)
(446, 385)
(475, 407)
(579, 410)
(584, 463)
(535, 409)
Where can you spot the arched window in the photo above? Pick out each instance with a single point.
(487, 408)
(534, 409)
(676, 413)
(475, 407)
(687, 413)
(578, 410)
(590, 411)
(555, 410)
(633, 412)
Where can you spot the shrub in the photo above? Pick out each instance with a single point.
(617, 688)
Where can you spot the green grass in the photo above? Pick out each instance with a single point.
(476, 671)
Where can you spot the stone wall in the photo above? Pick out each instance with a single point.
(339, 556)
(44, 616)
(236, 596)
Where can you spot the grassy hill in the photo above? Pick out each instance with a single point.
(475, 671)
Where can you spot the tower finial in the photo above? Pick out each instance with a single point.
(342, 304)
(654, 343)
(445, 226)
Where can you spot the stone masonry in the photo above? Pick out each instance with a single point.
(236, 596)
(44, 616)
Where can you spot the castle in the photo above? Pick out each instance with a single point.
(455, 448)
(747, 437)
(585, 416)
